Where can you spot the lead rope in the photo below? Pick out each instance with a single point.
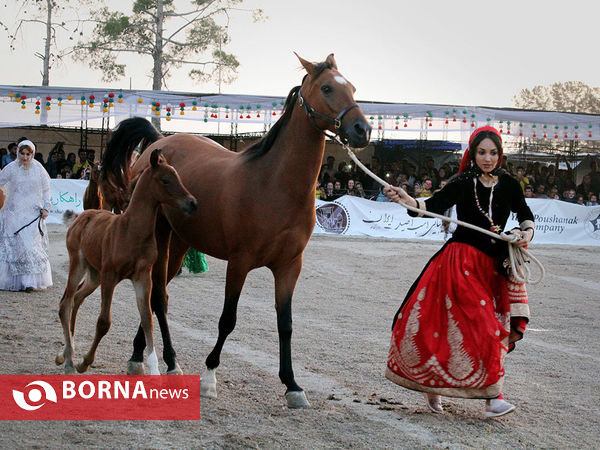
(519, 257)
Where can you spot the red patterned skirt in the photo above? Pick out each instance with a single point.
(451, 333)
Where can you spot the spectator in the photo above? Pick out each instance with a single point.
(540, 191)
(319, 191)
(51, 164)
(71, 160)
(529, 191)
(521, 178)
(11, 156)
(424, 189)
(329, 192)
(360, 192)
(66, 173)
(570, 196)
(342, 175)
(337, 188)
(593, 200)
(328, 170)
(81, 164)
(580, 200)
(594, 176)
(585, 186)
(91, 157)
(350, 188)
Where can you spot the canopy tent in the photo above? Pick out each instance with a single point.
(69, 106)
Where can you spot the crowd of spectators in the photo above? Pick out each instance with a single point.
(537, 180)
(58, 165)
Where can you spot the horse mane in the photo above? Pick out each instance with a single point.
(128, 134)
(262, 147)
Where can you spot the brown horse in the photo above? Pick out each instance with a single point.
(110, 248)
(257, 206)
(92, 199)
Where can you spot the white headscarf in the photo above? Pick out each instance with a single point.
(27, 143)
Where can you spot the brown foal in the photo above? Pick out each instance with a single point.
(110, 248)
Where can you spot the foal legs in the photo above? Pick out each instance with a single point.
(236, 275)
(143, 285)
(104, 320)
(285, 282)
(77, 268)
(165, 268)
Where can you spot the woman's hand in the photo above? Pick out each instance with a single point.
(44, 213)
(524, 237)
(397, 194)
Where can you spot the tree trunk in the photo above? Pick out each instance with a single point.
(46, 61)
(157, 73)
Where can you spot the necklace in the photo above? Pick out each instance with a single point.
(493, 227)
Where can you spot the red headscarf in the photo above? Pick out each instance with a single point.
(465, 163)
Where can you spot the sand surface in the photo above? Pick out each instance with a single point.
(347, 294)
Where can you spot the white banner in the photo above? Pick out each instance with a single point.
(64, 195)
(556, 222)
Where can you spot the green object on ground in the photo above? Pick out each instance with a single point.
(195, 261)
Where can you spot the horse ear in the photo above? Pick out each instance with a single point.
(308, 66)
(155, 158)
(331, 61)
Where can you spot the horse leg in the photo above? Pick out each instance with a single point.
(104, 320)
(76, 272)
(236, 275)
(285, 282)
(143, 285)
(158, 301)
(84, 290)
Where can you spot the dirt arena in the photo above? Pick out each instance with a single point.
(344, 302)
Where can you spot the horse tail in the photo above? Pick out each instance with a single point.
(68, 217)
(124, 139)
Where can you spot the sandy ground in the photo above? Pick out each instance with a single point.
(346, 297)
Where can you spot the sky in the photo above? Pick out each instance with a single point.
(456, 52)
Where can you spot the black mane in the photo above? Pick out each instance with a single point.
(261, 147)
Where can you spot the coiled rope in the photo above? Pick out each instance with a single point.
(519, 257)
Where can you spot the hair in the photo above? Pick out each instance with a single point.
(11, 145)
(263, 146)
(479, 137)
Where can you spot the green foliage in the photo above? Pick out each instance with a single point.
(194, 37)
(569, 96)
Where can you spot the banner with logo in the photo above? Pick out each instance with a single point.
(556, 222)
(98, 397)
(65, 195)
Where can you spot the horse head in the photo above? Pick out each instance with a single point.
(166, 185)
(328, 99)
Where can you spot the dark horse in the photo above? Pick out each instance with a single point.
(256, 207)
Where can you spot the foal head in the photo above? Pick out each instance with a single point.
(166, 186)
(328, 99)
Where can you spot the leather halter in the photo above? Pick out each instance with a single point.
(337, 121)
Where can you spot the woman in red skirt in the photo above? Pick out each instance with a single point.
(464, 312)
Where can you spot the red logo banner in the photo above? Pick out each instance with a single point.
(98, 397)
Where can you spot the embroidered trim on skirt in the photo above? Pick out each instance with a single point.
(451, 333)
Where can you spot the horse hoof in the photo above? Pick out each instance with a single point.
(82, 368)
(176, 371)
(296, 399)
(208, 390)
(208, 384)
(70, 370)
(135, 368)
(60, 358)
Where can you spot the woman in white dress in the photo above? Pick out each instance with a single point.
(24, 263)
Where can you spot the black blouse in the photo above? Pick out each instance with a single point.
(507, 197)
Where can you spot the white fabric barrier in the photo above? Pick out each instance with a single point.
(556, 222)
(65, 195)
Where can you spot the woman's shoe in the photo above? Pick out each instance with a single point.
(28, 289)
(434, 402)
(497, 407)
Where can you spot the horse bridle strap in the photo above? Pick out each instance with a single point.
(312, 114)
(39, 219)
